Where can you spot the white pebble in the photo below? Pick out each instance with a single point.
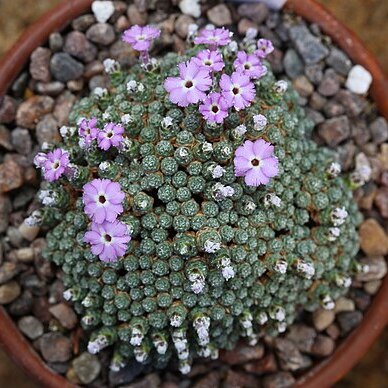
(103, 10)
(190, 7)
(359, 80)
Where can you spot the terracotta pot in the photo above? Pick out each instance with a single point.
(350, 351)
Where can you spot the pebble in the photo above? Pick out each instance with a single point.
(190, 7)
(335, 130)
(7, 109)
(377, 269)
(63, 106)
(150, 380)
(28, 232)
(8, 271)
(11, 176)
(21, 141)
(322, 319)
(279, 380)
(103, 10)
(266, 365)
(135, 16)
(293, 65)
(101, 33)
(333, 331)
(210, 380)
(348, 321)
(30, 327)
(244, 25)
(40, 309)
(65, 68)
(314, 73)
(257, 12)
(65, 315)
(32, 110)
(77, 45)
(330, 83)
(126, 374)
(22, 305)
(352, 103)
(359, 80)
(25, 255)
(361, 298)
(339, 61)
(55, 347)
(5, 138)
(308, 46)
(344, 304)
(14, 236)
(9, 292)
(182, 25)
(314, 115)
(242, 353)
(220, 15)
(290, 358)
(39, 64)
(122, 24)
(373, 240)
(55, 42)
(373, 286)
(83, 22)
(334, 109)
(302, 336)
(303, 86)
(323, 346)
(379, 130)
(50, 88)
(381, 201)
(5, 210)
(238, 379)
(47, 130)
(87, 367)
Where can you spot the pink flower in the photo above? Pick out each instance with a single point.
(140, 38)
(109, 240)
(55, 164)
(256, 162)
(212, 60)
(238, 90)
(110, 136)
(250, 65)
(213, 38)
(264, 48)
(88, 130)
(190, 86)
(214, 108)
(103, 200)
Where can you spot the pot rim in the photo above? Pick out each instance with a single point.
(355, 345)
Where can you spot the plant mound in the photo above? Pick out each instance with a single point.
(204, 258)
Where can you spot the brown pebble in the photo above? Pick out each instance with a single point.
(323, 346)
(55, 347)
(11, 176)
(65, 315)
(242, 353)
(373, 240)
(32, 110)
(279, 380)
(239, 379)
(266, 365)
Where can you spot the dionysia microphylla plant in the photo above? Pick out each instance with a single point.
(187, 206)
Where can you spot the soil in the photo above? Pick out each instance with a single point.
(324, 101)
